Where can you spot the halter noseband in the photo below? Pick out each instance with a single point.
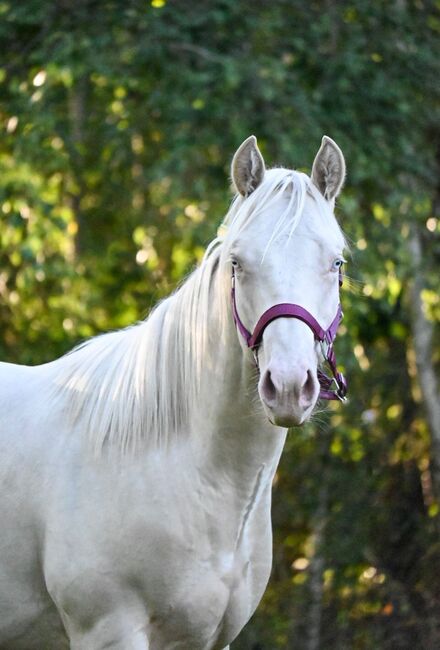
(325, 337)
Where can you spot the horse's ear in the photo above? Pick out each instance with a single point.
(328, 171)
(247, 169)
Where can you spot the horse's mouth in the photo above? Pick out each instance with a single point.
(286, 420)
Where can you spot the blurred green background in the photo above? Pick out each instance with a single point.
(119, 120)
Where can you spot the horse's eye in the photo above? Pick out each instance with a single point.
(338, 264)
(235, 264)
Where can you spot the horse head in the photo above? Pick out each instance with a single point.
(285, 250)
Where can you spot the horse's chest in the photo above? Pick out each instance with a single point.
(213, 599)
(195, 563)
(212, 563)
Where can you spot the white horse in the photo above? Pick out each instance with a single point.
(136, 471)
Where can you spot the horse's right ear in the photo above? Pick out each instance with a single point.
(247, 169)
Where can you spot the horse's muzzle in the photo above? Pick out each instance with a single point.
(288, 396)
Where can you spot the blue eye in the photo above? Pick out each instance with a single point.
(338, 264)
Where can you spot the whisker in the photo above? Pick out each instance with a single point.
(353, 285)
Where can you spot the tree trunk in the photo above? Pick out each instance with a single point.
(316, 570)
(422, 331)
(77, 101)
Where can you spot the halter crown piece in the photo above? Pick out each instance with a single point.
(324, 337)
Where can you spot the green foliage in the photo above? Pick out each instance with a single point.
(120, 120)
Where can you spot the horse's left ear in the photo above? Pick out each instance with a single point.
(247, 169)
(328, 171)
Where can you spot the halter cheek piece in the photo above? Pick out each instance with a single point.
(324, 337)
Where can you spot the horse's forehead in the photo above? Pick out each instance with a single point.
(316, 225)
(319, 224)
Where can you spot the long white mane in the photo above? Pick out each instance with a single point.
(140, 385)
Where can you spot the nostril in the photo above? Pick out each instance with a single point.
(308, 388)
(298, 387)
(268, 389)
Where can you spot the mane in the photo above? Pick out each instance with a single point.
(139, 386)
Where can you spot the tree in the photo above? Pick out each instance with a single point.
(120, 121)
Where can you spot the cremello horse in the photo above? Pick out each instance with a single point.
(136, 471)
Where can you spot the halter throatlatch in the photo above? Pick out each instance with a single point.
(324, 337)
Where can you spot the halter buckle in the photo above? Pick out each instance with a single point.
(341, 389)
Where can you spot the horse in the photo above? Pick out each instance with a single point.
(136, 470)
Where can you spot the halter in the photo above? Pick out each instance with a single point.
(324, 337)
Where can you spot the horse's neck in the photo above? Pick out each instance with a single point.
(239, 444)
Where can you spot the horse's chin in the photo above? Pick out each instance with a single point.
(288, 420)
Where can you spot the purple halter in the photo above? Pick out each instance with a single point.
(325, 337)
